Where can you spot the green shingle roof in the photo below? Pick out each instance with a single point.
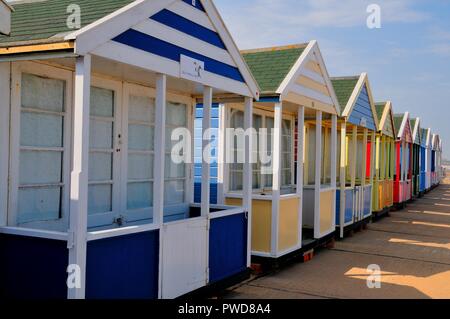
(271, 66)
(398, 120)
(344, 88)
(380, 109)
(42, 20)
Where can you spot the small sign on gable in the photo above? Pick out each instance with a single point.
(191, 69)
(363, 122)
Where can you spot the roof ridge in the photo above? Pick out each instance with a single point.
(349, 77)
(276, 48)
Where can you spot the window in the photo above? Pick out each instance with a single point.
(140, 155)
(262, 177)
(40, 147)
(175, 174)
(41, 184)
(102, 130)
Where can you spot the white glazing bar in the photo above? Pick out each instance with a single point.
(79, 177)
(276, 182)
(160, 142)
(248, 174)
(206, 158)
(317, 185)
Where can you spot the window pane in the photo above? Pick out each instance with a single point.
(236, 180)
(140, 137)
(39, 204)
(140, 195)
(173, 170)
(41, 130)
(176, 115)
(140, 166)
(100, 166)
(101, 134)
(41, 93)
(102, 102)
(141, 109)
(40, 167)
(100, 199)
(173, 192)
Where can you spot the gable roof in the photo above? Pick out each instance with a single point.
(402, 123)
(270, 66)
(294, 73)
(45, 21)
(424, 136)
(348, 90)
(415, 127)
(385, 115)
(166, 30)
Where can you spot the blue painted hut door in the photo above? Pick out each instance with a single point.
(184, 257)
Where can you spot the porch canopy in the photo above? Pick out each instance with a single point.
(173, 47)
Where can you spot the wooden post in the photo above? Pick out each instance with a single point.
(160, 145)
(79, 177)
(317, 187)
(343, 176)
(364, 157)
(206, 173)
(354, 153)
(248, 173)
(276, 182)
(5, 104)
(333, 155)
(300, 157)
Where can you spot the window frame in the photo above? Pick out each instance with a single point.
(41, 70)
(264, 187)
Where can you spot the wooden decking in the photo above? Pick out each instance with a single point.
(411, 247)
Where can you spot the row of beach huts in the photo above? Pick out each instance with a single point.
(92, 205)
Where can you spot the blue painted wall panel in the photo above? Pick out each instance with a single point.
(214, 170)
(367, 201)
(33, 268)
(361, 110)
(348, 207)
(147, 43)
(124, 267)
(227, 247)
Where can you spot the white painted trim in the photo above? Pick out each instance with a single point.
(300, 167)
(318, 172)
(36, 233)
(80, 172)
(403, 126)
(206, 172)
(276, 175)
(160, 149)
(343, 174)
(17, 68)
(226, 213)
(248, 173)
(311, 52)
(5, 107)
(110, 26)
(221, 156)
(301, 90)
(118, 232)
(232, 48)
(334, 141)
(148, 61)
(189, 12)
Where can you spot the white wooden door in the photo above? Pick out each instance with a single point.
(184, 257)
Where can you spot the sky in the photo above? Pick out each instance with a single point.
(407, 59)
